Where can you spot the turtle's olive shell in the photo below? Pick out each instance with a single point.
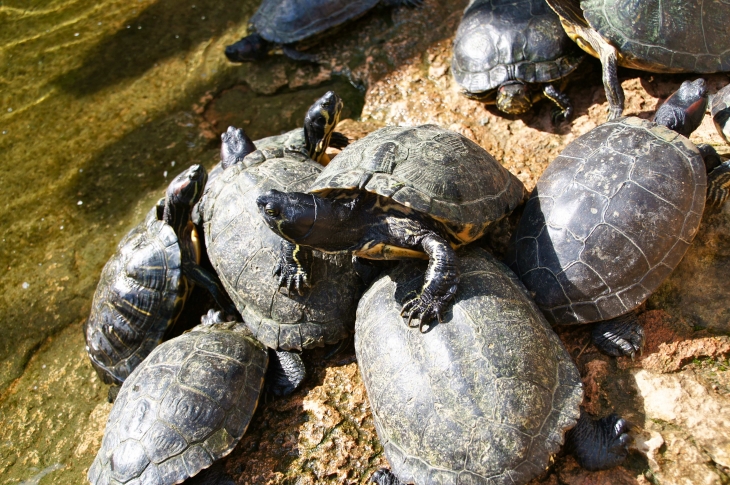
(720, 110)
(140, 293)
(429, 169)
(184, 407)
(244, 252)
(666, 35)
(287, 21)
(500, 41)
(484, 397)
(609, 220)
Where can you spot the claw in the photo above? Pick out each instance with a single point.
(277, 271)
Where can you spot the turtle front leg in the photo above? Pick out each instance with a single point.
(440, 283)
(204, 278)
(384, 477)
(564, 109)
(718, 185)
(599, 444)
(609, 61)
(294, 266)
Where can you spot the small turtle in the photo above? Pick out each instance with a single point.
(184, 407)
(400, 192)
(613, 215)
(143, 287)
(485, 397)
(289, 23)
(667, 36)
(510, 52)
(720, 109)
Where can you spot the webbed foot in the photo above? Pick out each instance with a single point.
(620, 336)
(291, 277)
(599, 444)
(426, 307)
(285, 374)
(384, 477)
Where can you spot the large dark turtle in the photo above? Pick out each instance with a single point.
(144, 285)
(720, 109)
(613, 215)
(651, 35)
(287, 23)
(509, 52)
(400, 192)
(186, 406)
(486, 396)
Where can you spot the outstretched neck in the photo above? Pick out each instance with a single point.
(176, 216)
(338, 225)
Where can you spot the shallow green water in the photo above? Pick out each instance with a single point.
(101, 104)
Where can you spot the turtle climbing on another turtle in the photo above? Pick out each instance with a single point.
(612, 216)
(398, 193)
(144, 285)
(720, 109)
(487, 396)
(295, 25)
(511, 53)
(184, 407)
(668, 36)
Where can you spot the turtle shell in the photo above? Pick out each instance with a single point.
(184, 407)
(663, 36)
(609, 220)
(429, 169)
(140, 294)
(720, 109)
(287, 21)
(484, 397)
(501, 41)
(244, 251)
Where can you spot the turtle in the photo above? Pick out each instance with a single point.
(398, 193)
(613, 215)
(297, 24)
(144, 285)
(668, 36)
(184, 407)
(720, 109)
(511, 52)
(484, 397)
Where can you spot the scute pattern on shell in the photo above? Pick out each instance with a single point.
(287, 21)
(720, 110)
(244, 251)
(484, 397)
(184, 407)
(665, 36)
(609, 220)
(429, 169)
(498, 41)
(137, 298)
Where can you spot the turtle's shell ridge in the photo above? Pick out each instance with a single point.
(511, 40)
(429, 169)
(287, 21)
(184, 407)
(609, 220)
(484, 397)
(140, 293)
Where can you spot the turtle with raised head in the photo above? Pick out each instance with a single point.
(613, 215)
(144, 285)
(398, 193)
(512, 53)
(485, 397)
(667, 36)
(184, 407)
(294, 25)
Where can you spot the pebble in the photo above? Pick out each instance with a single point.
(25, 285)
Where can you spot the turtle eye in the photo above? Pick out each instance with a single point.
(271, 210)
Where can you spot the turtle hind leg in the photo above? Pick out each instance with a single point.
(620, 336)
(285, 374)
(564, 109)
(609, 62)
(251, 48)
(384, 477)
(599, 444)
(718, 185)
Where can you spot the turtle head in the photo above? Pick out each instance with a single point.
(182, 194)
(320, 122)
(251, 48)
(683, 111)
(235, 145)
(513, 98)
(289, 214)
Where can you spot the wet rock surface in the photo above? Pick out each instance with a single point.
(117, 122)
